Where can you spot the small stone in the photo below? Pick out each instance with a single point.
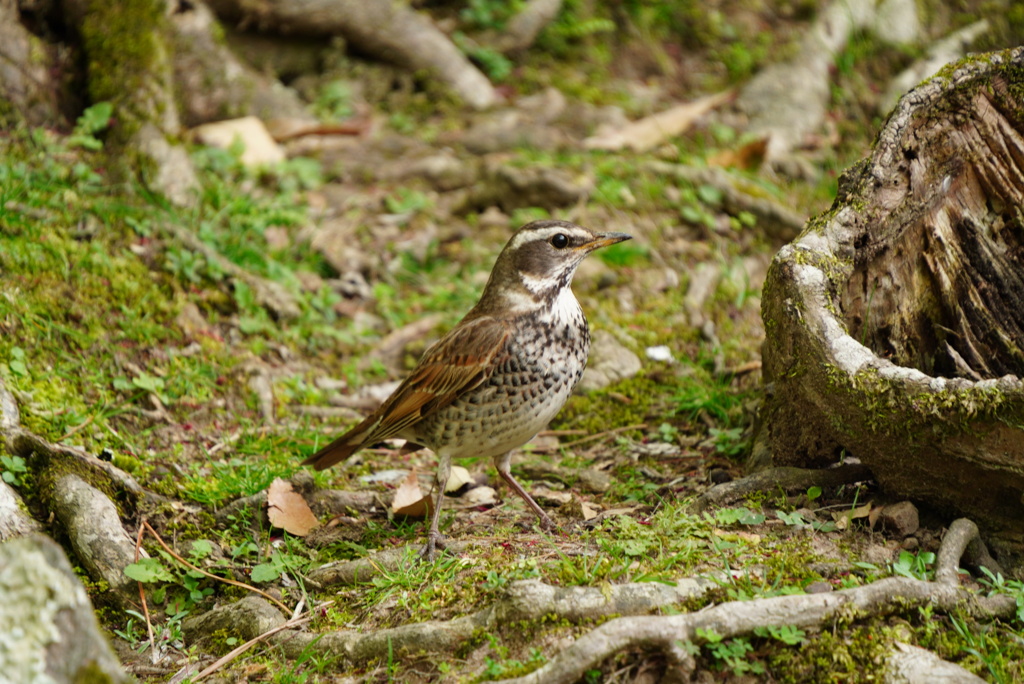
(595, 481)
(191, 320)
(900, 518)
(351, 285)
(610, 362)
(277, 238)
(260, 148)
(910, 544)
(818, 588)
(660, 353)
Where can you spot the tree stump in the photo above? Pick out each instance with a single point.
(895, 321)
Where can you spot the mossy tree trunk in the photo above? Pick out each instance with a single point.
(128, 63)
(895, 322)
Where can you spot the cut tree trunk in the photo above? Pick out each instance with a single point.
(895, 322)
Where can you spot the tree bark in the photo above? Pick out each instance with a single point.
(28, 90)
(895, 322)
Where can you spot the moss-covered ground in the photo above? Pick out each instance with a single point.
(116, 337)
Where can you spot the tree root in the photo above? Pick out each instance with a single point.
(94, 529)
(665, 632)
(525, 600)
(785, 478)
(10, 417)
(50, 631)
(14, 519)
(23, 443)
(533, 600)
(390, 30)
(524, 27)
(90, 519)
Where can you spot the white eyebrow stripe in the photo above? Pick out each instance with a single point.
(544, 234)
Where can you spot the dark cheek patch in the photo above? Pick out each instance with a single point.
(532, 259)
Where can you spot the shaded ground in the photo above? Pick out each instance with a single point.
(119, 332)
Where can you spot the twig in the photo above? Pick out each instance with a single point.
(72, 431)
(88, 421)
(224, 660)
(145, 606)
(232, 582)
(600, 435)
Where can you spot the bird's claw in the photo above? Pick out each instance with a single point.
(435, 541)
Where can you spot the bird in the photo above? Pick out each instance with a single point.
(501, 374)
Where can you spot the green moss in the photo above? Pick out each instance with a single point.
(91, 673)
(128, 66)
(626, 403)
(856, 654)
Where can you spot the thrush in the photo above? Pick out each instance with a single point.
(502, 373)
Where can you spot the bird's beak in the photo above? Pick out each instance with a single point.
(605, 239)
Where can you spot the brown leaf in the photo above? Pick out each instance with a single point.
(288, 510)
(750, 156)
(844, 518)
(587, 511)
(652, 131)
(409, 500)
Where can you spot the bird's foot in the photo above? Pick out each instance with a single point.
(435, 541)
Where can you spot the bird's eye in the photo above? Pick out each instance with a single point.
(560, 241)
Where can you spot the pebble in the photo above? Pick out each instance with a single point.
(900, 518)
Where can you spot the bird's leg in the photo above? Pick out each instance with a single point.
(504, 465)
(434, 538)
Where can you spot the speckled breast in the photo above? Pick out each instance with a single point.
(545, 361)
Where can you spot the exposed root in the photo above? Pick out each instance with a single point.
(14, 518)
(26, 444)
(665, 632)
(526, 600)
(362, 569)
(533, 600)
(94, 529)
(787, 479)
(10, 417)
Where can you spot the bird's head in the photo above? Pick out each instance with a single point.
(540, 259)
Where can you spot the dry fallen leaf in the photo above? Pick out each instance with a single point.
(730, 535)
(288, 510)
(587, 511)
(844, 518)
(457, 479)
(750, 156)
(409, 500)
(652, 131)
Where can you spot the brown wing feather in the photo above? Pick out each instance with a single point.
(457, 363)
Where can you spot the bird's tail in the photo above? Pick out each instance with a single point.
(335, 452)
